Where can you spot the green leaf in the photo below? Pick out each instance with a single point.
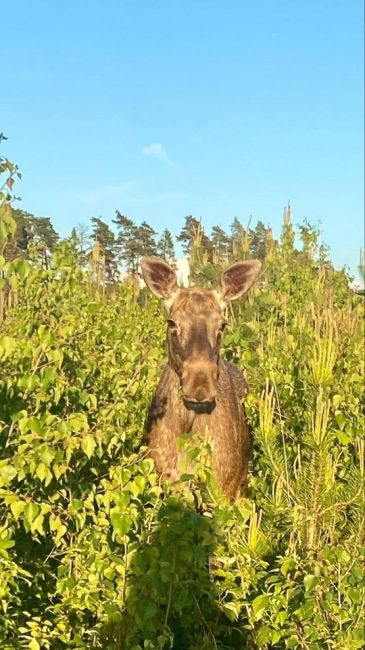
(355, 595)
(17, 508)
(275, 636)
(310, 582)
(121, 523)
(31, 511)
(37, 524)
(34, 425)
(7, 472)
(337, 400)
(287, 565)
(6, 543)
(61, 531)
(88, 445)
(4, 232)
(260, 604)
(41, 471)
(341, 419)
(263, 635)
(23, 268)
(8, 345)
(232, 610)
(93, 307)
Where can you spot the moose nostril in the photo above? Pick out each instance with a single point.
(200, 395)
(197, 400)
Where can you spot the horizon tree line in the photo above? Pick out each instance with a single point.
(123, 247)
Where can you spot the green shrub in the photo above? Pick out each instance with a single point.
(96, 553)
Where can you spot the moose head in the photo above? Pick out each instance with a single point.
(195, 318)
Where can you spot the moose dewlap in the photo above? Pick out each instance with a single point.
(198, 391)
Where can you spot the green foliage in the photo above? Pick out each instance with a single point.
(96, 553)
(8, 173)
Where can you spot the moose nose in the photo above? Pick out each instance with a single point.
(199, 385)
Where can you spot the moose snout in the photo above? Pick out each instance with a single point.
(199, 382)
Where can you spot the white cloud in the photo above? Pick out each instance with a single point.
(157, 151)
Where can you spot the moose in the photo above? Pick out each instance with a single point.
(199, 392)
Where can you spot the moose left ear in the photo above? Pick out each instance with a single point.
(238, 278)
(159, 276)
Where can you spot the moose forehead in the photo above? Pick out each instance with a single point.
(196, 303)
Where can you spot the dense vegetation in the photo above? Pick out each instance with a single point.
(94, 552)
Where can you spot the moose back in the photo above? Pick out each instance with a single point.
(199, 392)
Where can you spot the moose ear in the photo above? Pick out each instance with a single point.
(238, 278)
(159, 276)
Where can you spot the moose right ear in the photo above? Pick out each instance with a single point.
(159, 276)
(237, 279)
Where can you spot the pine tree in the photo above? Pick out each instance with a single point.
(165, 246)
(189, 233)
(237, 229)
(80, 240)
(37, 231)
(239, 239)
(258, 241)
(43, 231)
(17, 246)
(126, 241)
(134, 241)
(145, 240)
(221, 242)
(106, 239)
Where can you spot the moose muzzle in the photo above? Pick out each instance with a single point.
(199, 381)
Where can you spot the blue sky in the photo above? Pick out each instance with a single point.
(164, 108)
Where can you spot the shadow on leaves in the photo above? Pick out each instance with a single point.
(170, 598)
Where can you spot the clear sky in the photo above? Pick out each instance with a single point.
(164, 108)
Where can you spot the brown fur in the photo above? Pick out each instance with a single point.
(198, 393)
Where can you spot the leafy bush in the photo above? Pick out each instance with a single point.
(96, 553)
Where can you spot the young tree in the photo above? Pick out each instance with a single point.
(106, 239)
(80, 240)
(165, 246)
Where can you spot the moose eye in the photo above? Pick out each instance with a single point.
(172, 325)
